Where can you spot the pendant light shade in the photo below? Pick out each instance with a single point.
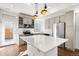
(44, 11)
(36, 12)
(34, 17)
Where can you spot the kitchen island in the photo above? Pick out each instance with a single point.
(41, 45)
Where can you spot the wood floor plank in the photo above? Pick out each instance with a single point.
(65, 52)
(11, 50)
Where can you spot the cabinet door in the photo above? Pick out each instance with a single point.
(69, 18)
(69, 35)
(20, 20)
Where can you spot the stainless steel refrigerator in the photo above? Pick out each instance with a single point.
(58, 30)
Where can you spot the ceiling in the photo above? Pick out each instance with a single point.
(29, 8)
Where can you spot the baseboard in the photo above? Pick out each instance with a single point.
(7, 45)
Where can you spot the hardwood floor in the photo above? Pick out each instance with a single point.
(14, 50)
(65, 52)
(11, 50)
(22, 47)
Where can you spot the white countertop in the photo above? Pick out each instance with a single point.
(42, 42)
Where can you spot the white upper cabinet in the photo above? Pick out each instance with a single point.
(69, 18)
(25, 21)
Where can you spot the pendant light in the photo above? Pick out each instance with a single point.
(44, 11)
(36, 12)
